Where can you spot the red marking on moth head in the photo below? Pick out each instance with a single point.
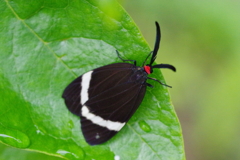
(147, 69)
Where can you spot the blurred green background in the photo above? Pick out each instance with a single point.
(202, 40)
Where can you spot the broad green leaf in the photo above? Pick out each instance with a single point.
(44, 45)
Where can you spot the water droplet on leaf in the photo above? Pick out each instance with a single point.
(14, 138)
(144, 126)
(70, 124)
(71, 152)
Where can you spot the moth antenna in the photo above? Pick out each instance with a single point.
(168, 66)
(157, 43)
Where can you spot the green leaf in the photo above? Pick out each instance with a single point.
(44, 46)
(10, 153)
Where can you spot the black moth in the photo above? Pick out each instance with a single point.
(105, 98)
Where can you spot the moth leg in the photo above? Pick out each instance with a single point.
(149, 85)
(134, 61)
(159, 82)
(147, 58)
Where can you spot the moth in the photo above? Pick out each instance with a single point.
(105, 98)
